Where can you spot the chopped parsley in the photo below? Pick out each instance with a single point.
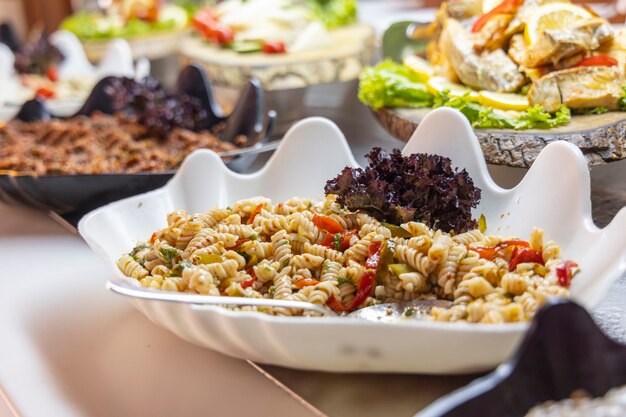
(343, 280)
(169, 253)
(337, 241)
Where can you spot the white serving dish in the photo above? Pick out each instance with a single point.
(117, 60)
(554, 195)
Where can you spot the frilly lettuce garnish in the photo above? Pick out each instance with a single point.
(396, 189)
(389, 84)
(334, 13)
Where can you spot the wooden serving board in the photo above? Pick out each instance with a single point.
(351, 50)
(601, 137)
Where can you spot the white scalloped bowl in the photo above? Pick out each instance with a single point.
(554, 195)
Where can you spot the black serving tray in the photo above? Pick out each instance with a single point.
(563, 351)
(71, 196)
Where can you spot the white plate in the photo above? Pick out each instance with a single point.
(554, 195)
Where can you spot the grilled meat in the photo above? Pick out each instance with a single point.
(493, 71)
(556, 45)
(578, 88)
(493, 34)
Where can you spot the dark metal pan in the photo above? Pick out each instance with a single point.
(73, 195)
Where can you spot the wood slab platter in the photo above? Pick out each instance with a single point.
(601, 137)
(153, 46)
(351, 50)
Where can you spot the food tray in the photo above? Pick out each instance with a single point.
(74, 195)
(600, 137)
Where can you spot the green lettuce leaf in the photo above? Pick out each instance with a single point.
(389, 84)
(91, 26)
(334, 13)
(537, 118)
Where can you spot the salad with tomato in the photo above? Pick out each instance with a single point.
(272, 26)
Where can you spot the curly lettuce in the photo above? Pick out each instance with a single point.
(93, 26)
(389, 84)
(537, 118)
(334, 13)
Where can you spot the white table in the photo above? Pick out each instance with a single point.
(70, 348)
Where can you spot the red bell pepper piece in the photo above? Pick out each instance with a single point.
(328, 224)
(338, 241)
(345, 241)
(255, 212)
(153, 237)
(524, 255)
(336, 305)
(204, 19)
(365, 286)
(328, 240)
(506, 7)
(52, 73)
(223, 34)
(487, 253)
(374, 256)
(564, 273)
(305, 282)
(597, 61)
(239, 243)
(273, 47)
(490, 253)
(44, 92)
(248, 282)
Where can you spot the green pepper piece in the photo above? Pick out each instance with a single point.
(209, 258)
(482, 223)
(387, 250)
(397, 231)
(337, 241)
(398, 269)
(253, 260)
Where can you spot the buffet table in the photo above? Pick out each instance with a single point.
(72, 348)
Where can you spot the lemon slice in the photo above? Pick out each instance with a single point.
(420, 66)
(439, 84)
(489, 5)
(174, 13)
(553, 16)
(503, 101)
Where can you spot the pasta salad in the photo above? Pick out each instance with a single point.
(322, 253)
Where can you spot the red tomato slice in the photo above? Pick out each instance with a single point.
(524, 255)
(52, 73)
(506, 7)
(248, 282)
(597, 61)
(273, 47)
(564, 273)
(45, 92)
(328, 224)
(305, 282)
(255, 212)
